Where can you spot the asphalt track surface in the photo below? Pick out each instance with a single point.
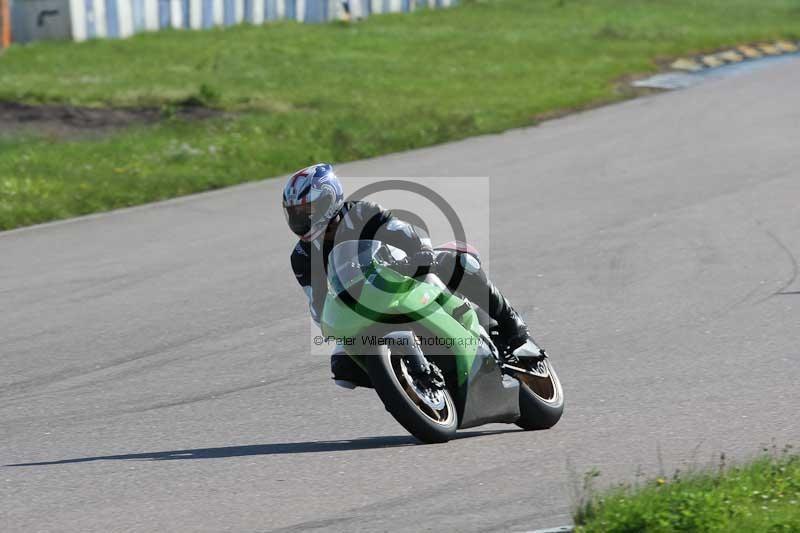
(155, 371)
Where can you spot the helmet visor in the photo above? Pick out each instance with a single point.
(301, 218)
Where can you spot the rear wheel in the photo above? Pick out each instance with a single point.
(426, 412)
(541, 399)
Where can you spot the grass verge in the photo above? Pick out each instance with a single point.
(763, 496)
(334, 92)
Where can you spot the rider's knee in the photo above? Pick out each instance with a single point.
(453, 267)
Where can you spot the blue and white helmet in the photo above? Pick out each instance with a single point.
(312, 197)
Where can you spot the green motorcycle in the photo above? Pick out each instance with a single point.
(432, 356)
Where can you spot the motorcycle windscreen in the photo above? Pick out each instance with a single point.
(350, 263)
(361, 275)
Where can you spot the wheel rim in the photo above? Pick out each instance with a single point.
(436, 404)
(544, 384)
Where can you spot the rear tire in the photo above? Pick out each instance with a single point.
(541, 400)
(391, 381)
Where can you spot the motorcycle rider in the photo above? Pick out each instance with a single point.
(316, 211)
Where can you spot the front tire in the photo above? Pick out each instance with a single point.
(431, 418)
(541, 398)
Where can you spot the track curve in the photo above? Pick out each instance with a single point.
(155, 371)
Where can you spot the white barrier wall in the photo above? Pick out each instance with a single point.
(90, 19)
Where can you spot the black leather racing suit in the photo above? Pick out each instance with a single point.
(357, 221)
(366, 220)
(360, 220)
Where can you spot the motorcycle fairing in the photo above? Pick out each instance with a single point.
(481, 392)
(489, 395)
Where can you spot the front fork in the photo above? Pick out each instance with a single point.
(428, 374)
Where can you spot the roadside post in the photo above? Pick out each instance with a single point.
(5, 24)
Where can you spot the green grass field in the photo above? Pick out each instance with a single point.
(761, 497)
(298, 94)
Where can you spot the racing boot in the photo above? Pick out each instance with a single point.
(346, 372)
(513, 330)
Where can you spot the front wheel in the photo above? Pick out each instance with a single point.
(427, 413)
(541, 399)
